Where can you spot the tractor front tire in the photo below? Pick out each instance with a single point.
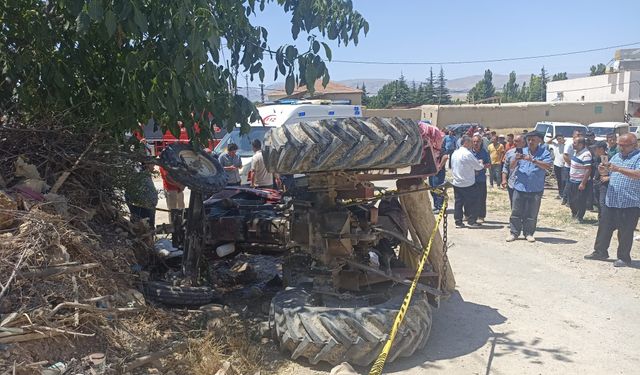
(340, 334)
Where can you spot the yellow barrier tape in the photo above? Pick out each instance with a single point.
(378, 365)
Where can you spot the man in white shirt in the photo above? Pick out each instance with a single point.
(260, 177)
(464, 167)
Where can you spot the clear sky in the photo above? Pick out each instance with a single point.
(417, 31)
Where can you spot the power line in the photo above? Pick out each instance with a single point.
(485, 61)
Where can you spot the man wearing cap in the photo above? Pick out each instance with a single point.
(529, 169)
(622, 202)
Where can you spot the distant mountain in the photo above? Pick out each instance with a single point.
(456, 85)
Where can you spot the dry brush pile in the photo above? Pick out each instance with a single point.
(71, 264)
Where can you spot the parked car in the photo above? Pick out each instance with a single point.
(602, 129)
(277, 115)
(463, 128)
(552, 129)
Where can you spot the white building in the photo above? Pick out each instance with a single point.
(621, 85)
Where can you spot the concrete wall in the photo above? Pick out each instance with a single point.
(523, 115)
(412, 113)
(620, 86)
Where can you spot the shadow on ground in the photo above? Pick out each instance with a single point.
(548, 230)
(461, 328)
(555, 240)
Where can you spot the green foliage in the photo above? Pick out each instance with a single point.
(535, 89)
(484, 89)
(366, 100)
(597, 70)
(398, 92)
(510, 92)
(559, 76)
(125, 61)
(441, 92)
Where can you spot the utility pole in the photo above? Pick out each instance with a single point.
(246, 84)
(262, 92)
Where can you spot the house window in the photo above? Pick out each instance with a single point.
(560, 96)
(546, 113)
(598, 109)
(582, 98)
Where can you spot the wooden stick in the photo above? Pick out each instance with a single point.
(82, 306)
(55, 271)
(13, 273)
(66, 174)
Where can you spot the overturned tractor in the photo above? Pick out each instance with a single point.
(348, 256)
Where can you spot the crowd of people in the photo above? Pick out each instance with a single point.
(601, 176)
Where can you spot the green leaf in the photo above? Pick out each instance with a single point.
(179, 62)
(95, 10)
(82, 23)
(289, 83)
(325, 78)
(291, 53)
(261, 75)
(140, 20)
(316, 46)
(327, 50)
(110, 22)
(75, 7)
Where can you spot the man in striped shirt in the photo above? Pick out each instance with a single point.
(622, 202)
(579, 173)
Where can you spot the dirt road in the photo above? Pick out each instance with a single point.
(526, 308)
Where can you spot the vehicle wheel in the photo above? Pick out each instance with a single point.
(346, 334)
(163, 292)
(342, 144)
(197, 170)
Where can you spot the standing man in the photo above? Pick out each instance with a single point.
(481, 176)
(568, 154)
(559, 164)
(529, 169)
(510, 142)
(622, 202)
(463, 168)
(613, 146)
(173, 191)
(579, 178)
(231, 163)
(260, 178)
(508, 178)
(496, 154)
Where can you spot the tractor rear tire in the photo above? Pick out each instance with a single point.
(197, 170)
(342, 144)
(168, 294)
(338, 334)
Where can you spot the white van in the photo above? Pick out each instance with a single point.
(278, 115)
(602, 129)
(552, 129)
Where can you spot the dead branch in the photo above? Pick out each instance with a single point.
(82, 306)
(49, 272)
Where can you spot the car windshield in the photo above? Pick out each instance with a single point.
(601, 132)
(567, 131)
(243, 142)
(633, 129)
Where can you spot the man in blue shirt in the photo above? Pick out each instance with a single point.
(529, 169)
(622, 201)
(508, 178)
(481, 153)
